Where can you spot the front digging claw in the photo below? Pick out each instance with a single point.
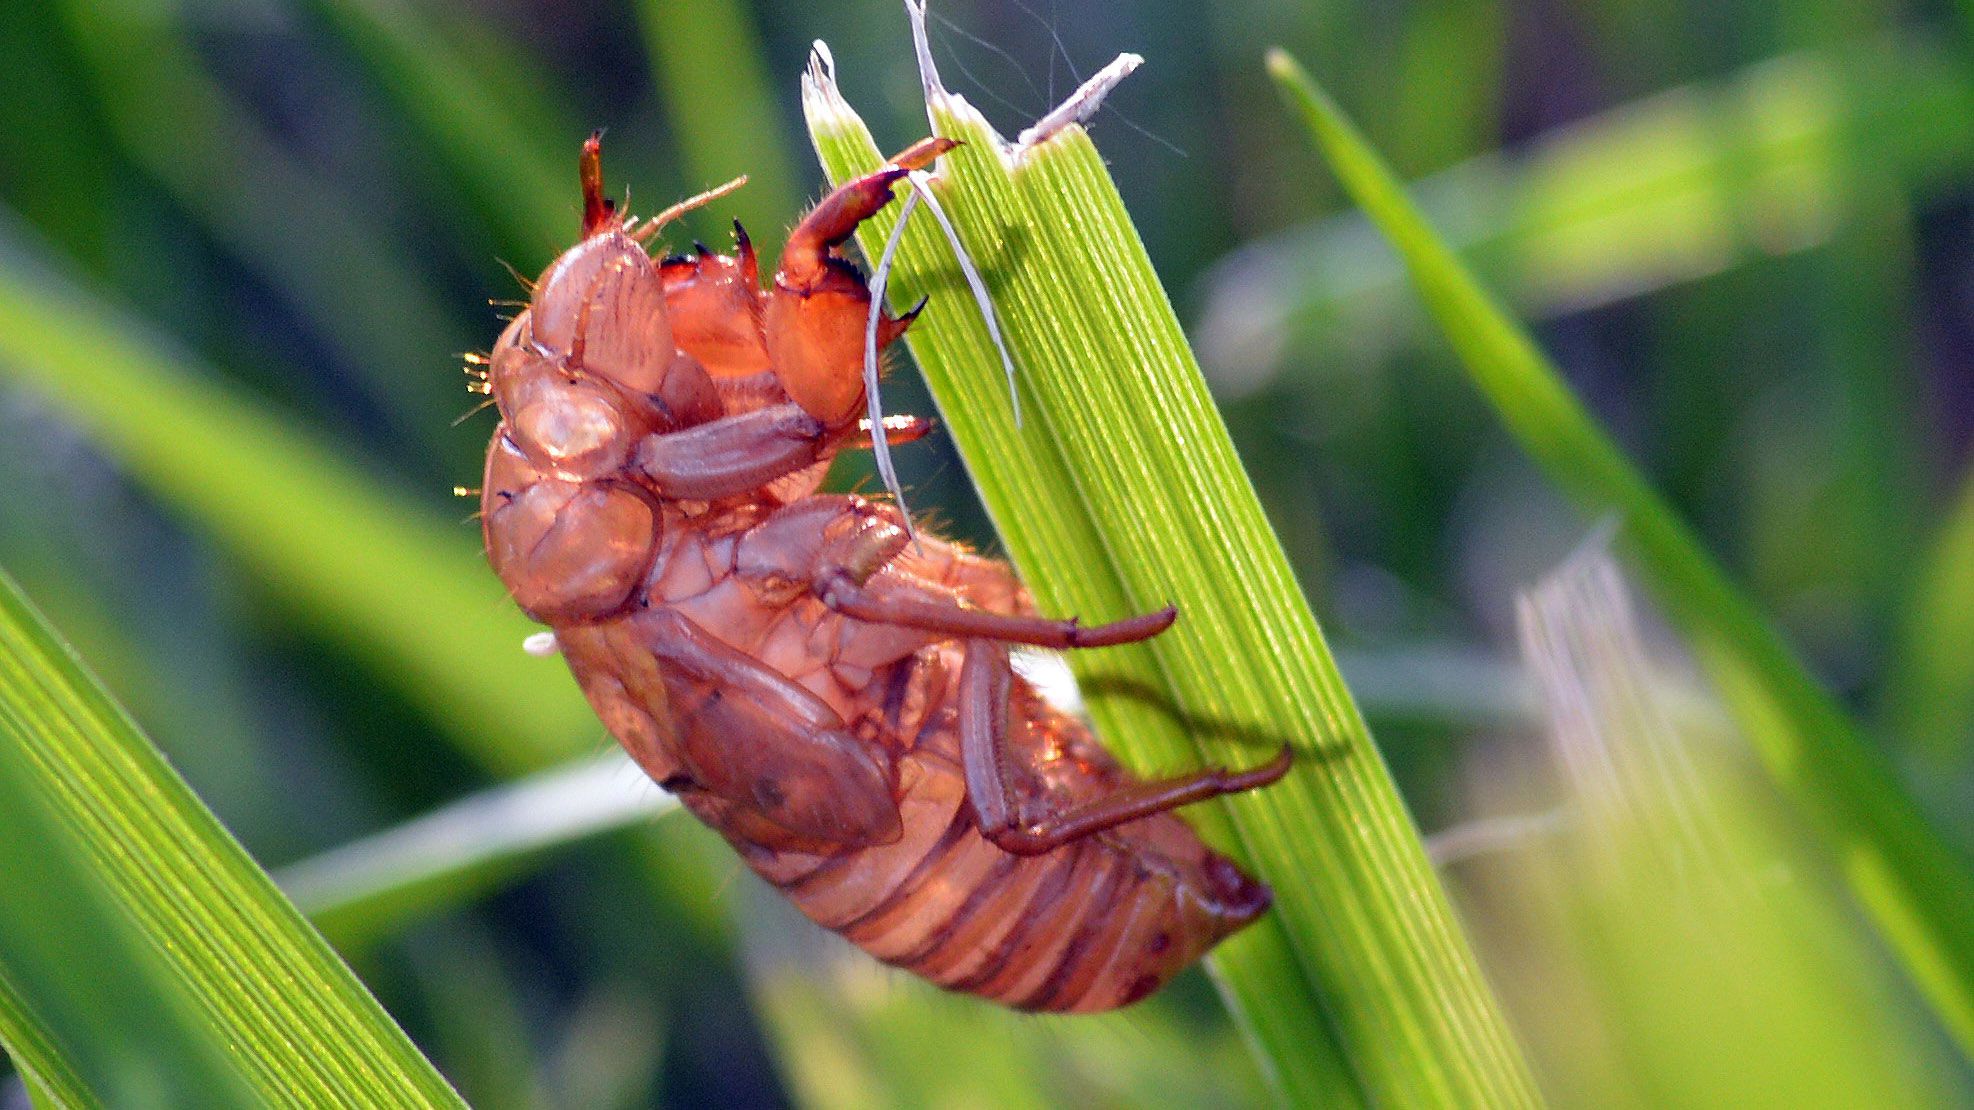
(817, 308)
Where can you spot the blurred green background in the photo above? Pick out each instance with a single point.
(1742, 229)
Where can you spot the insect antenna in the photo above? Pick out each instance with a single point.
(649, 228)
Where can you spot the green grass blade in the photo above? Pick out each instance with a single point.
(115, 1033)
(1930, 703)
(1912, 883)
(375, 572)
(320, 248)
(369, 887)
(39, 1095)
(1121, 493)
(726, 117)
(493, 142)
(294, 1025)
(1668, 189)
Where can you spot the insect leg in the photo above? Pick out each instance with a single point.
(983, 724)
(814, 317)
(751, 735)
(924, 152)
(731, 455)
(846, 579)
(883, 601)
(985, 679)
(836, 216)
(1139, 801)
(980, 581)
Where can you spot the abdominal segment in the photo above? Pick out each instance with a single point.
(1093, 925)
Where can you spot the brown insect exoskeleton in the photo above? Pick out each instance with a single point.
(833, 698)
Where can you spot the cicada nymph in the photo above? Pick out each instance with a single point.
(832, 697)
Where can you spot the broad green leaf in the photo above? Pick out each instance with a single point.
(1119, 493)
(1916, 888)
(220, 977)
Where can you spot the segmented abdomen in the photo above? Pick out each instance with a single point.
(1093, 925)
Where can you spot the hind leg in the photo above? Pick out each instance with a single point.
(1021, 825)
(986, 582)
